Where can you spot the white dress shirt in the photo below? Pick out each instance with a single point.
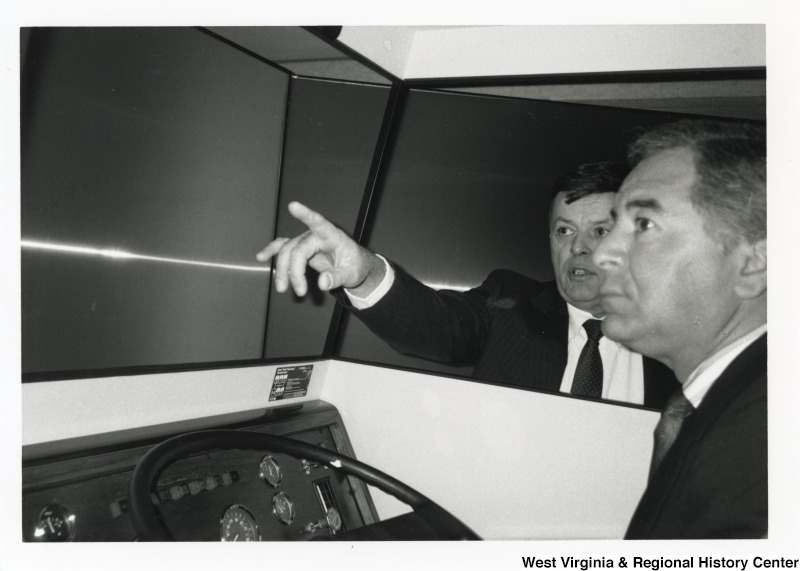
(623, 371)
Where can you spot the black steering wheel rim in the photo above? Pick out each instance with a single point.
(150, 526)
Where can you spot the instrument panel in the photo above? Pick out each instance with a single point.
(219, 495)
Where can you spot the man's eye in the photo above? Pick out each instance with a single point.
(643, 224)
(601, 232)
(564, 231)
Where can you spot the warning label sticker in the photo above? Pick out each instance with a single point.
(290, 382)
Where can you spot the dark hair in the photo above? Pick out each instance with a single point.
(730, 159)
(591, 178)
(587, 179)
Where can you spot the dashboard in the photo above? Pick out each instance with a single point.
(80, 490)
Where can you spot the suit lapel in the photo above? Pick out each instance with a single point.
(549, 341)
(659, 383)
(747, 367)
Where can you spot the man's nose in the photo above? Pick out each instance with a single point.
(581, 246)
(610, 251)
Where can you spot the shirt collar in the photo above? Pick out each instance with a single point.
(576, 319)
(701, 379)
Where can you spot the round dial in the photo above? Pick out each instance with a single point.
(270, 471)
(238, 524)
(334, 520)
(55, 524)
(283, 508)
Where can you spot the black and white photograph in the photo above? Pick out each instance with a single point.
(468, 290)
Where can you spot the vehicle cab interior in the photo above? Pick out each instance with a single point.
(169, 393)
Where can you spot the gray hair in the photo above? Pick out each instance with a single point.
(730, 159)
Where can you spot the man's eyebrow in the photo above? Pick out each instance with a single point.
(650, 203)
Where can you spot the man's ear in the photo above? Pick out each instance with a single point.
(752, 278)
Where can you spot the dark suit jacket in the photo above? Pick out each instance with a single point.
(713, 481)
(512, 328)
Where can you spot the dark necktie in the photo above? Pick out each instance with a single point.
(675, 412)
(588, 379)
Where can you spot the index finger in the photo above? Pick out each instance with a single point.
(314, 220)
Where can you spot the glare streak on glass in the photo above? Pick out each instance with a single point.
(455, 287)
(122, 255)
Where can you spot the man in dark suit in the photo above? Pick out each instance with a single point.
(686, 283)
(515, 330)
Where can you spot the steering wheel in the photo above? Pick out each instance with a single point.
(436, 522)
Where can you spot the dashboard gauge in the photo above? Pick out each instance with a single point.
(334, 520)
(238, 524)
(56, 523)
(283, 508)
(270, 471)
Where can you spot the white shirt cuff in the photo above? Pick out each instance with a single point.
(378, 293)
